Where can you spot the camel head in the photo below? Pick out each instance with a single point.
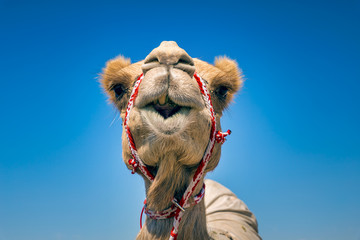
(169, 121)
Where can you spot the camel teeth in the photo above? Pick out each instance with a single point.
(162, 99)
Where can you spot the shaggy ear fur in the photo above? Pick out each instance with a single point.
(115, 81)
(225, 85)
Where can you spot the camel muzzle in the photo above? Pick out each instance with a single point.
(169, 54)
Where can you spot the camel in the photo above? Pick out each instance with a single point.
(171, 105)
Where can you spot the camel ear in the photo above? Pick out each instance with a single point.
(228, 83)
(115, 82)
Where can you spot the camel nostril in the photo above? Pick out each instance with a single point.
(185, 59)
(150, 63)
(186, 64)
(169, 54)
(152, 59)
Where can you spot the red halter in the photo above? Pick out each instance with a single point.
(177, 209)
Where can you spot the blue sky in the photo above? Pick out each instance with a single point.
(294, 154)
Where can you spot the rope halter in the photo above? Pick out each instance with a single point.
(178, 208)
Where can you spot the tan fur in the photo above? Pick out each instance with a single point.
(172, 147)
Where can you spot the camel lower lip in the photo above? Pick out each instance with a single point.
(168, 125)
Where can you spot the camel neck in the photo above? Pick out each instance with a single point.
(192, 227)
(171, 180)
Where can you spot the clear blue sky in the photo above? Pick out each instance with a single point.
(293, 157)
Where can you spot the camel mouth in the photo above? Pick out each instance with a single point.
(165, 107)
(165, 116)
(167, 110)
